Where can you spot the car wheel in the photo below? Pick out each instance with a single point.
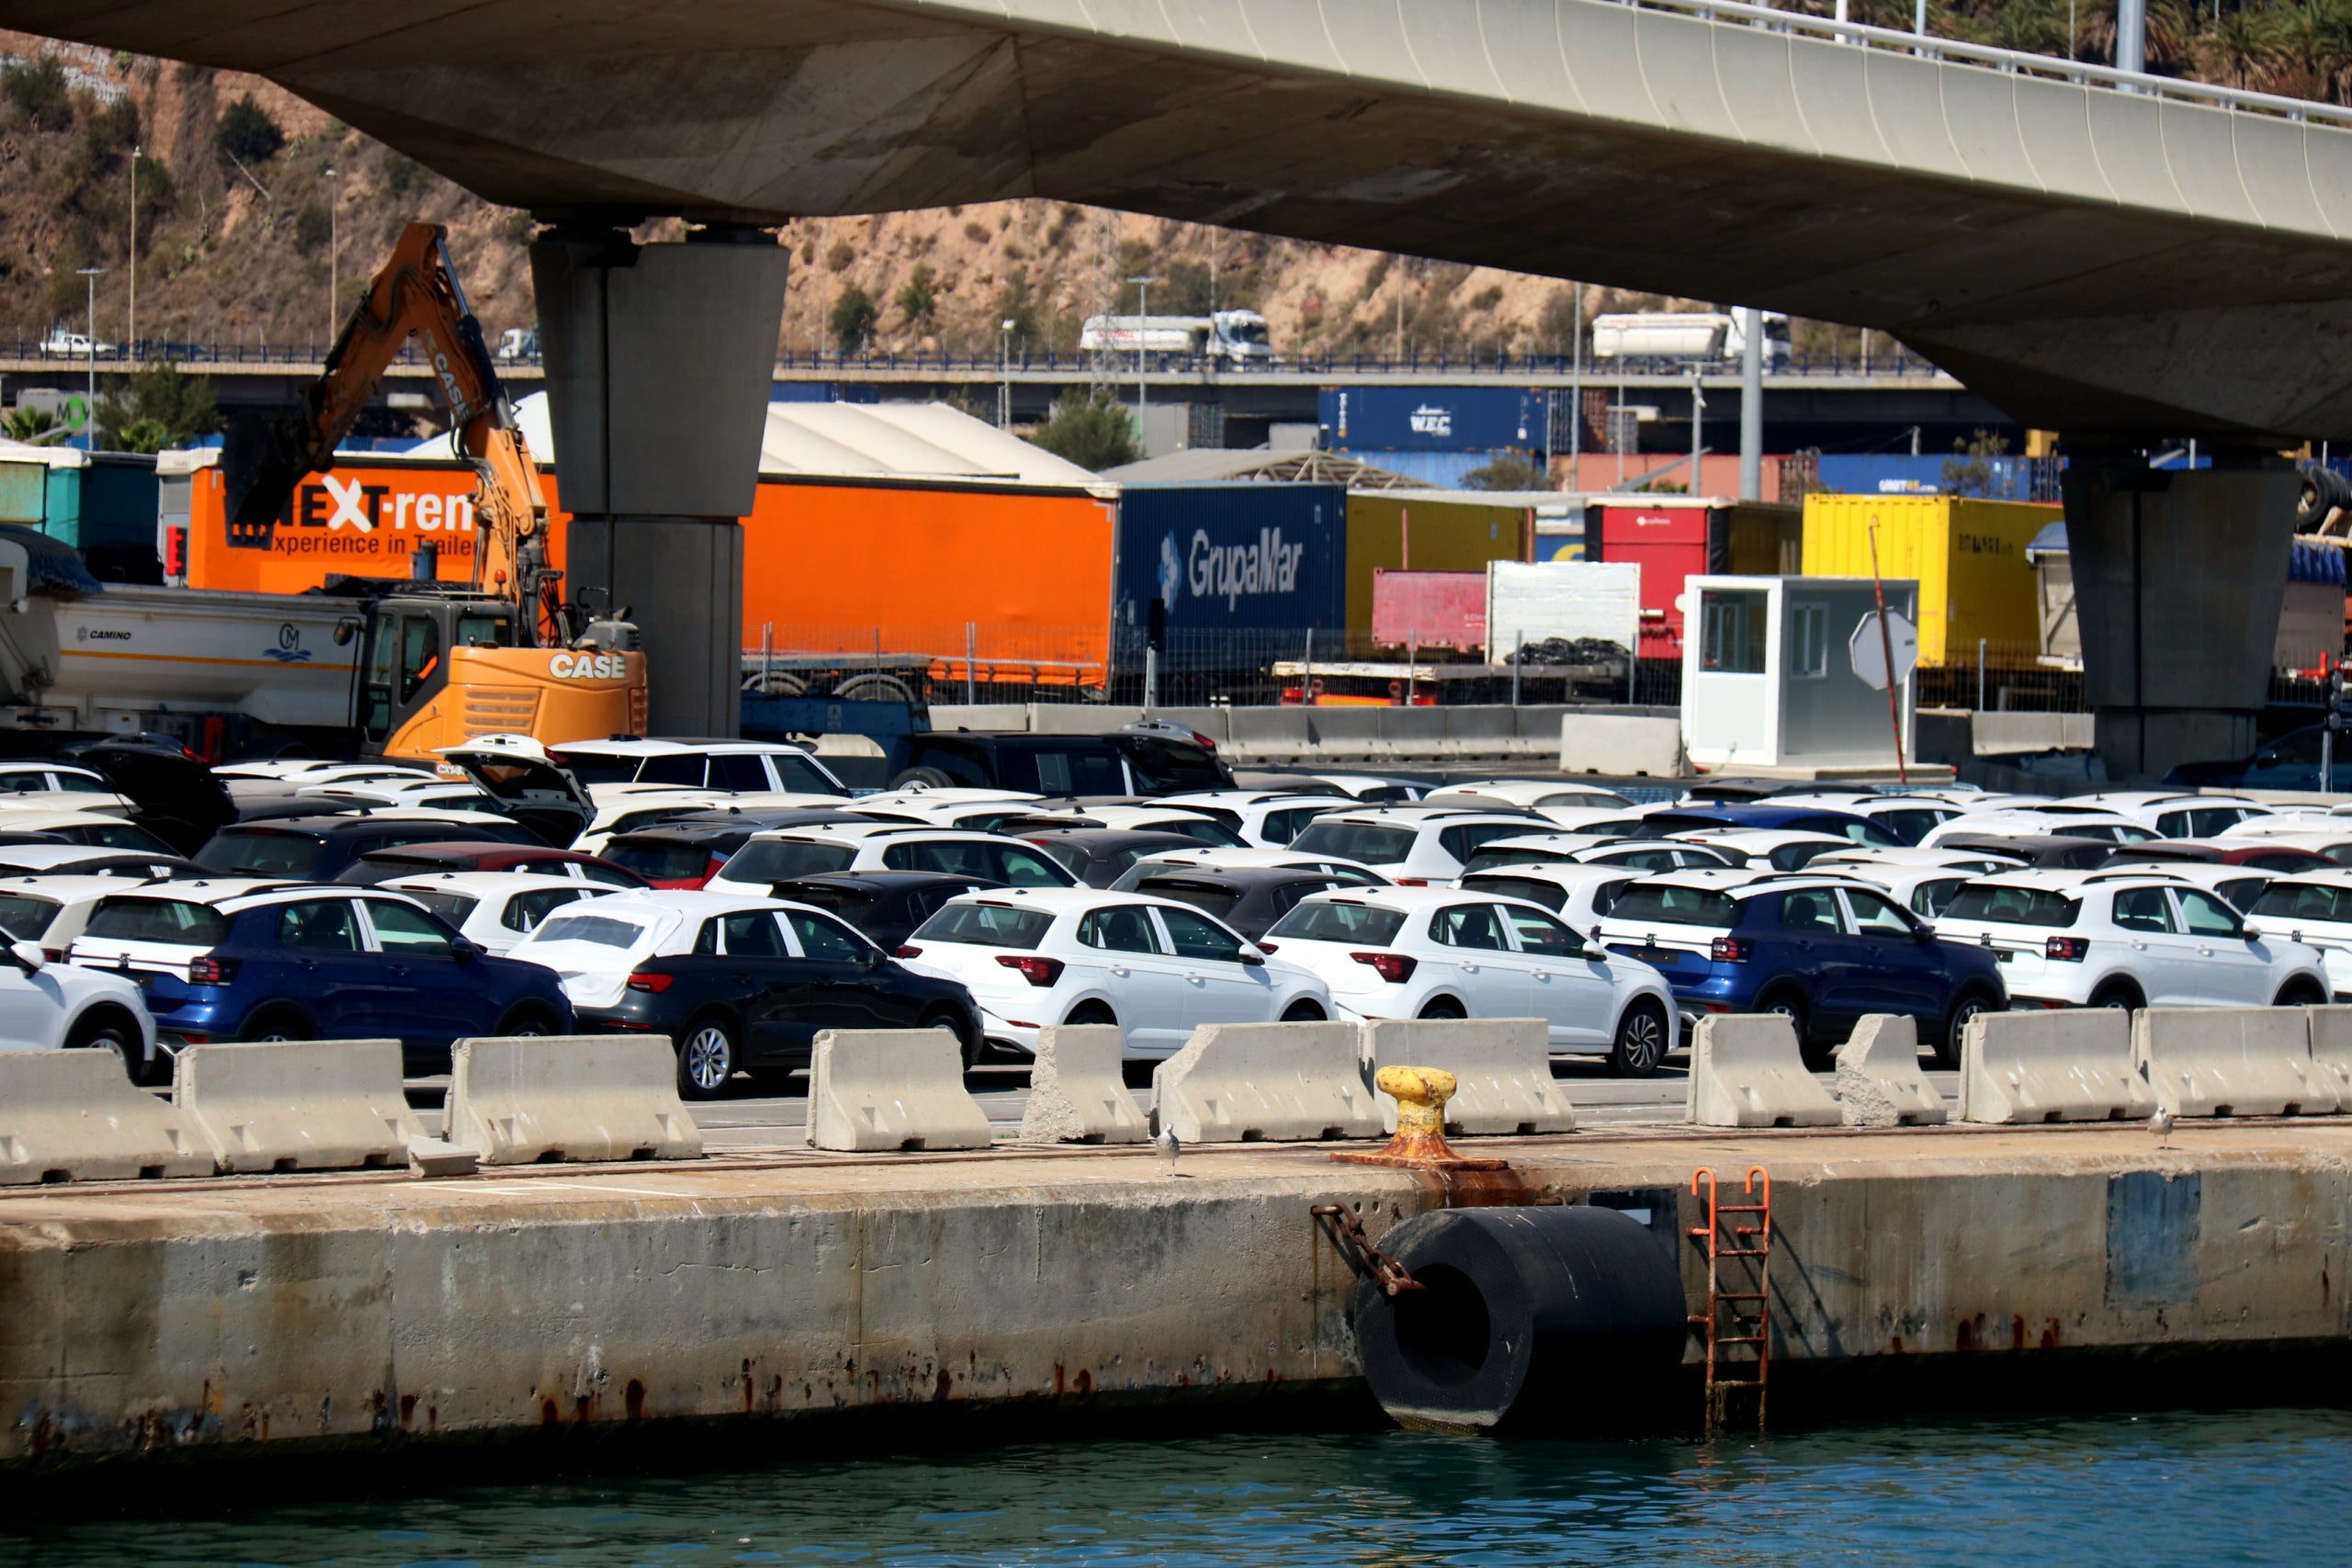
(1441, 1006)
(2117, 994)
(528, 1022)
(1302, 1011)
(1790, 1005)
(1643, 1034)
(2299, 994)
(1974, 1005)
(104, 1033)
(707, 1060)
(930, 778)
(277, 1023)
(968, 1045)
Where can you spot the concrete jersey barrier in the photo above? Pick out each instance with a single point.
(1502, 1068)
(73, 1116)
(1077, 1092)
(2232, 1062)
(297, 1105)
(1236, 1083)
(569, 1097)
(888, 1089)
(2331, 1038)
(1878, 1080)
(1746, 1071)
(2070, 1066)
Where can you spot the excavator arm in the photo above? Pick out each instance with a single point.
(416, 295)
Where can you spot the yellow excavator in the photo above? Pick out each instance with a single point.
(439, 663)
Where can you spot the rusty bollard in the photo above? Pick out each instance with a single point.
(1420, 1094)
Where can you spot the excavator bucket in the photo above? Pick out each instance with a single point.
(262, 459)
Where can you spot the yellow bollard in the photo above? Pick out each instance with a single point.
(1420, 1094)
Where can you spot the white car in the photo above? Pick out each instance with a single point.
(1977, 862)
(2045, 821)
(272, 778)
(1412, 845)
(1766, 848)
(1909, 817)
(1035, 956)
(735, 766)
(1580, 893)
(2093, 938)
(1524, 792)
(1262, 819)
(98, 828)
(1539, 849)
(2174, 815)
(1922, 889)
(62, 345)
(47, 1006)
(789, 852)
(57, 785)
(493, 909)
(1446, 952)
(2332, 843)
(2315, 911)
(1245, 860)
(1364, 789)
(432, 795)
(2240, 886)
(1155, 818)
(51, 911)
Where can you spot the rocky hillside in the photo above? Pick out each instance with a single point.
(248, 218)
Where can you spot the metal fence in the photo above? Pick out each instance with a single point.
(1993, 676)
(977, 662)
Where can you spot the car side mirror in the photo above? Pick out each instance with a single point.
(872, 959)
(1922, 933)
(29, 955)
(463, 950)
(1255, 960)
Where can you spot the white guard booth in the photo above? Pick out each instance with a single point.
(1769, 678)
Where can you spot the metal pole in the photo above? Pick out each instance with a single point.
(1886, 652)
(1980, 674)
(130, 325)
(1576, 394)
(1617, 435)
(1698, 424)
(1751, 405)
(334, 251)
(767, 658)
(971, 664)
(2131, 35)
(1306, 680)
(1518, 658)
(1004, 378)
(1150, 678)
(90, 275)
(1143, 314)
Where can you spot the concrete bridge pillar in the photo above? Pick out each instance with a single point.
(659, 360)
(2178, 577)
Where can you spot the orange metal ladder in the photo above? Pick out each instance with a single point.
(1737, 1318)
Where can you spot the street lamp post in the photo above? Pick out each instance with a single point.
(90, 402)
(1143, 314)
(1004, 378)
(334, 254)
(130, 325)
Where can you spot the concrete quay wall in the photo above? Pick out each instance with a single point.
(263, 1314)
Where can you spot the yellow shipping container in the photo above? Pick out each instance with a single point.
(1967, 555)
(1394, 530)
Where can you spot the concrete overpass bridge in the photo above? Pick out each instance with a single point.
(2120, 259)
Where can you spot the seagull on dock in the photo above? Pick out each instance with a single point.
(2160, 1125)
(1169, 1145)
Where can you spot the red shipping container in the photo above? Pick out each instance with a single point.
(1675, 539)
(1430, 609)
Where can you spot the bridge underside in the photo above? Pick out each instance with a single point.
(2051, 244)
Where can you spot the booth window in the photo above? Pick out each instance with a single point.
(1731, 633)
(1808, 640)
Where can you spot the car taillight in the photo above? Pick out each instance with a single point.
(1412, 882)
(1394, 967)
(906, 953)
(1730, 950)
(651, 980)
(2065, 949)
(210, 971)
(1036, 971)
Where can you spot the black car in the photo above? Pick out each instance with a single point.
(886, 905)
(425, 859)
(1100, 856)
(320, 848)
(2041, 852)
(1142, 760)
(1249, 898)
(678, 854)
(738, 994)
(174, 795)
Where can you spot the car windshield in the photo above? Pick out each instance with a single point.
(1999, 903)
(798, 776)
(1205, 896)
(1676, 905)
(2280, 900)
(850, 901)
(1365, 841)
(262, 851)
(780, 860)
(1551, 895)
(173, 920)
(599, 931)
(985, 925)
(1359, 923)
(660, 860)
(24, 917)
(1080, 769)
(1492, 856)
(451, 906)
(592, 770)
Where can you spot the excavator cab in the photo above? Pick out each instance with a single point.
(436, 669)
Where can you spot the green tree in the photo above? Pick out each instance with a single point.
(312, 228)
(38, 427)
(247, 133)
(853, 319)
(918, 302)
(1094, 432)
(149, 409)
(38, 89)
(1509, 472)
(1971, 473)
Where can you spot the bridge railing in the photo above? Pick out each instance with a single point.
(2010, 62)
(1891, 363)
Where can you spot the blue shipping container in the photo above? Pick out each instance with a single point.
(1268, 557)
(1431, 419)
(1889, 473)
(1439, 471)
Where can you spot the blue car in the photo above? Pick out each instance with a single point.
(234, 959)
(1821, 950)
(2291, 761)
